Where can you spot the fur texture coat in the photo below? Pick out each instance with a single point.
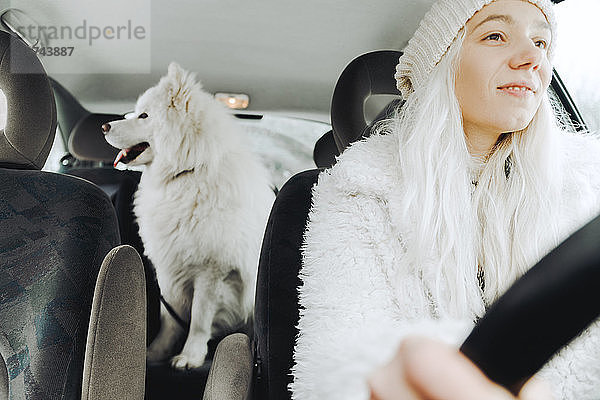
(359, 299)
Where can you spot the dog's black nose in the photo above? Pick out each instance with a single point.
(105, 128)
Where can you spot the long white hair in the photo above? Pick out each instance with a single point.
(480, 224)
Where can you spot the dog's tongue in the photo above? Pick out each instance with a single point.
(127, 155)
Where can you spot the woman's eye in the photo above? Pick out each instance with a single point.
(496, 37)
(143, 115)
(542, 44)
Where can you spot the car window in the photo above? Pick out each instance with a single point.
(577, 58)
(57, 152)
(285, 144)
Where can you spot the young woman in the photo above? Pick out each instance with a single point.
(419, 228)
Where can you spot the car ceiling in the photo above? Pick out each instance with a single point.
(286, 55)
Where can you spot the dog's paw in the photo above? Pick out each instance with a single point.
(183, 361)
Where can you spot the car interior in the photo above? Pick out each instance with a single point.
(79, 301)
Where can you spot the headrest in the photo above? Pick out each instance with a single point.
(86, 141)
(27, 138)
(369, 74)
(325, 151)
(81, 129)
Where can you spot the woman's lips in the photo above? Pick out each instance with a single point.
(519, 90)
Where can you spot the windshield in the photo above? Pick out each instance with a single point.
(577, 58)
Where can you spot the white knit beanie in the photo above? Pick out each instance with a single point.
(436, 32)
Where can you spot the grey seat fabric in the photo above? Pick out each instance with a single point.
(55, 231)
(116, 352)
(230, 377)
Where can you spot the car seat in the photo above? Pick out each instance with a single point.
(263, 369)
(63, 291)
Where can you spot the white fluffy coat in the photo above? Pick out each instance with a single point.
(360, 297)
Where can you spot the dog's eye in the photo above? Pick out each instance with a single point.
(143, 115)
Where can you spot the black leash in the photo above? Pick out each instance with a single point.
(185, 325)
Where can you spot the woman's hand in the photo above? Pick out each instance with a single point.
(424, 369)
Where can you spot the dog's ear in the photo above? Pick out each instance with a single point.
(175, 71)
(181, 83)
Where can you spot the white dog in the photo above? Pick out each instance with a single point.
(202, 206)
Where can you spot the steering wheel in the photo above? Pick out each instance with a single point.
(542, 312)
